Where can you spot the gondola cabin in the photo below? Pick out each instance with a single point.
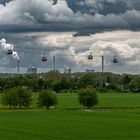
(10, 52)
(44, 58)
(115, 60)
(90, 57)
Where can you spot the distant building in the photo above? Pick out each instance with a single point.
(32, 70)
(67, 70)
(90, 71)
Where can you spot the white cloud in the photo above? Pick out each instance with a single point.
(123, 44)
(73, 51)
(19, 12)
(57, 40)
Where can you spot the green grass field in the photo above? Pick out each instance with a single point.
(116, 117)
(106, 101)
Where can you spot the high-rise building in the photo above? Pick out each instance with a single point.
(32, 70)
(90, 71)
(67, 70)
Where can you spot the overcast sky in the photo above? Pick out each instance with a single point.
(70, 30)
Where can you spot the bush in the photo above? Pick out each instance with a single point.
(47, 98)
(88, 97)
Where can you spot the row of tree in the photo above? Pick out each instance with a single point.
(104, 82)
(16, 97)
(21, 97)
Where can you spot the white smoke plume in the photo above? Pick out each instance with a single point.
(6, 46)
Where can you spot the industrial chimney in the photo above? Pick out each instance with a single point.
(18, 66)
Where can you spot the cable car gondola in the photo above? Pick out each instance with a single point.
(44, 58)
(10, 52)
(90, 57)
(115, 60)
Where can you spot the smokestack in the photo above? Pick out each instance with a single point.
(18, 66)
(54, 63)
(102, 63)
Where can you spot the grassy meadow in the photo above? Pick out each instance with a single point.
(106, 101)
(116, 117)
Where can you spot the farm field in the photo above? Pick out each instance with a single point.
(106, 101)
(116, 117)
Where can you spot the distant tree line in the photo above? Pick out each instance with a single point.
(103, 82)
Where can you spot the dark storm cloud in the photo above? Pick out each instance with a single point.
(100, 6)
(83, 16)
(4, 1)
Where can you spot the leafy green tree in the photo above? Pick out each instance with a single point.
(24, 97)
(16, 97)
(134, 84)
(47, 98)
(10, 98)
(88, 97)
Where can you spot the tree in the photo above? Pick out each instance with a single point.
(16, 97)
(88, 97)
(10, 98)
(47, 98)
(24, 97)
(134, 84)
